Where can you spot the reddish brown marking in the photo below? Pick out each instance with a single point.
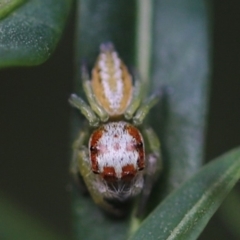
(93, 148)
(128, 172)
(109, 174)
(141, 159)
(134, 132)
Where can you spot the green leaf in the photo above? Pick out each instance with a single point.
(185, 213)
(6, 6)
(90, 222)
(30, 33)
(181, 60)
(177, 56)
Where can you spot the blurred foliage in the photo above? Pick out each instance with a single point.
(30, 33)
(179, 58)
(17, 224)
(7, 6)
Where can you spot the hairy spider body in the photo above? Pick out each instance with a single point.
(114, 158)
(111, 82)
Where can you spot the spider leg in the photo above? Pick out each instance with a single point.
(92, 183)
(78, 148)
(99, 110)
(153, 167)
(145, 108)
(85, 109)
(81, 167)
(138, 93)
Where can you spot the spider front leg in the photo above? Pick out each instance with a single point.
(145, 107)
(138, 93)
(94, 111)
(79, 150)
(152, 169)
(138, 110)
(81, 167)
(95, 106)
(85, 109)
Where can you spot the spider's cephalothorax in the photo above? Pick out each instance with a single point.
(115, 159)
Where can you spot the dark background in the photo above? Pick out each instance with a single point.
(34, 120)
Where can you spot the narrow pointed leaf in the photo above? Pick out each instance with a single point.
(185, 212)
(181, 59)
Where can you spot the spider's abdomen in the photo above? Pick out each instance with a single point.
(111, 81)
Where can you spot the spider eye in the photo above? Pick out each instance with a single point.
(93, 157)
(95, 172)
(139, 145)
(93, 149)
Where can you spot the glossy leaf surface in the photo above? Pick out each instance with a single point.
(30, 33)
(185, 213)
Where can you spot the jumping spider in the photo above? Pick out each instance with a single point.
(117, 156)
